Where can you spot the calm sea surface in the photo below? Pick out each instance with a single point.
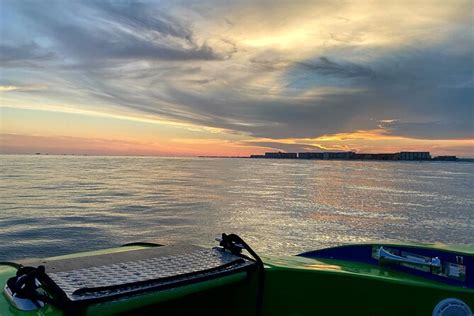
(51, 205)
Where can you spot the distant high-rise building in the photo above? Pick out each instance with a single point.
(415, 155)
(446, 158)
(339, 155)
(350, 155)
(311, 155)
(281, 155)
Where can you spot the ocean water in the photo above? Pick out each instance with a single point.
(52, 205)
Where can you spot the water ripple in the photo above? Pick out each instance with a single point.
(52, 205)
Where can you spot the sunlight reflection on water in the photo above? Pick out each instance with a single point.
(57, 204)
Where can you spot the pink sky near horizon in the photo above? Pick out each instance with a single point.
(27, 131)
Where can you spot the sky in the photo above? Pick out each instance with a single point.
(233, 78)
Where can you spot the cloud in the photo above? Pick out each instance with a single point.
(109, 30)
(24, 55)
(280, 146)
(434, 130)
(23, 88)
(324, 66)
(292, 70)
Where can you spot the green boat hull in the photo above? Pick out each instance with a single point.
(292, 286)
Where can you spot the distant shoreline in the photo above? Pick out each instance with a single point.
(458, 159)
(353, 156)
(335, 159)
(356, 156)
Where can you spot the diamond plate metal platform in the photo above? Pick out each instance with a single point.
(118, 274)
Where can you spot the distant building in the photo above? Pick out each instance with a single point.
(350, 155)
(311, 155)
(327, 155)
(415, 155)
(281, 155)
(387, 156)
(446, 158)
(339, 155)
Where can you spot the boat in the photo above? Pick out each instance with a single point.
(232, 279)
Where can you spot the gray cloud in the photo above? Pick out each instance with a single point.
(26, 55)
(324, 66)
(425, 107)
(459, 129)
(107, 30)
(267, 118)
(142, 16)
(420, 89)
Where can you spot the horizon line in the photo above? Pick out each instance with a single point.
(190, 156)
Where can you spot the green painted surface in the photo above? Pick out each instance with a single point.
(346, 288)
(467, 250)
(293, 286)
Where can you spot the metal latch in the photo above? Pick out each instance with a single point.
(386, 256)
(21, 303)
